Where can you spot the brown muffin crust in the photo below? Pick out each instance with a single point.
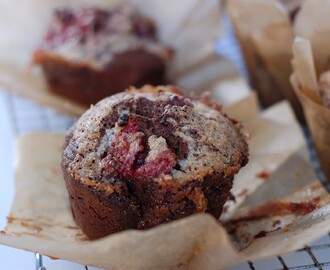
(86, 85)
(97, 213)
(150, 156)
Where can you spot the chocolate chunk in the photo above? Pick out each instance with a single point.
(123, 120)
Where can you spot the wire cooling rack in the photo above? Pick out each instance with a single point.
(26, 116)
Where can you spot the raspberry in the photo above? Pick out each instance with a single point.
(129, 153)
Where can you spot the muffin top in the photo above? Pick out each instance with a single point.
(93, 36)
(153, 134)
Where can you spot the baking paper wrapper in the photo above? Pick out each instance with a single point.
(265, 34)
(310, 61)
(318, 120)
(279, 173)
(188, 26)
(304, 80)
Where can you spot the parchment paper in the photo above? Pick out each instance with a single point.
(41, 219)
(305, 81)
(189, 26)
(265, 34)
(310, 61)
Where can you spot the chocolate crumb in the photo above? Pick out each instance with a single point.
(260, 234)
(263, 175)
(178, 168)
(276, 223)
(231, 197)
(264, 233)
(243, 193)
(123, 120)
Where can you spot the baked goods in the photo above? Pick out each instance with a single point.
(149, 156)
(88, 53)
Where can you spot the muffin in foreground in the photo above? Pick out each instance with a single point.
(88, 51)
(149, 156)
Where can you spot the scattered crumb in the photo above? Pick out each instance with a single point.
(260, 234)
(264, 233)
(231, 197)
(276, 223)
(263, 175)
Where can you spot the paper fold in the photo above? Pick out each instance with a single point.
(310, 62)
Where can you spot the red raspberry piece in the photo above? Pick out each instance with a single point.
(128, 146)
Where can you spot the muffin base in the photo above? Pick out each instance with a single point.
(84, 84)
(99, 214)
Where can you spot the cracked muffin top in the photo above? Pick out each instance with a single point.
(153, 133)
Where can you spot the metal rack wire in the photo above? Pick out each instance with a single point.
(309, 253)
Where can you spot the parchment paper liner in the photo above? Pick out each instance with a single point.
(318, 120)
(304, 80)
(265, 34)
(310, 61)
(41, 220)
(189, 26)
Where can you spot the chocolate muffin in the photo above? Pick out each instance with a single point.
(88, 54)
(149, 156)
